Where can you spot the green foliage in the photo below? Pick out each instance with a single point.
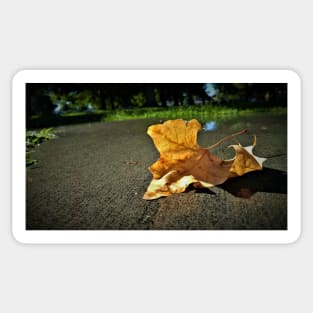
(202, 113)
(251, 95)
(62, 104)
(138, 100)
(29, 160)
(157, 95)
(35, 138)
(74, 100)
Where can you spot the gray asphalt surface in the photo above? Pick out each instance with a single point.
(93, 176)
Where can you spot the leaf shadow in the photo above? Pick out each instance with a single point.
(200, 190)
(267, 180)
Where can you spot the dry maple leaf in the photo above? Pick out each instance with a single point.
(183, 162)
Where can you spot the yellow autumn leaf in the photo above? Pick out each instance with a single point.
(183, 162)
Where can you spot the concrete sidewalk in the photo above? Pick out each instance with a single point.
(93, 176)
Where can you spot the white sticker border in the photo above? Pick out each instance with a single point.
(159, 236)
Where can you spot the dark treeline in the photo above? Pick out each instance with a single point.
(56, 98)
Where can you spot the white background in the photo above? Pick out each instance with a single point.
(159, 34)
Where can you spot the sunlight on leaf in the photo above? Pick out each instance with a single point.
(183, 162)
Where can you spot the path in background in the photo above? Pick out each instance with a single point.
(93, 176)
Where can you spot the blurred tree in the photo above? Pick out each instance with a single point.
(43, 99)
(251, 94)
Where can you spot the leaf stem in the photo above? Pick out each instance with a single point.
(227, 138)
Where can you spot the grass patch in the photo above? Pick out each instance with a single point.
(35, 138)
(201, 112)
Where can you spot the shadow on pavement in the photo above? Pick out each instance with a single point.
(267, 180)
